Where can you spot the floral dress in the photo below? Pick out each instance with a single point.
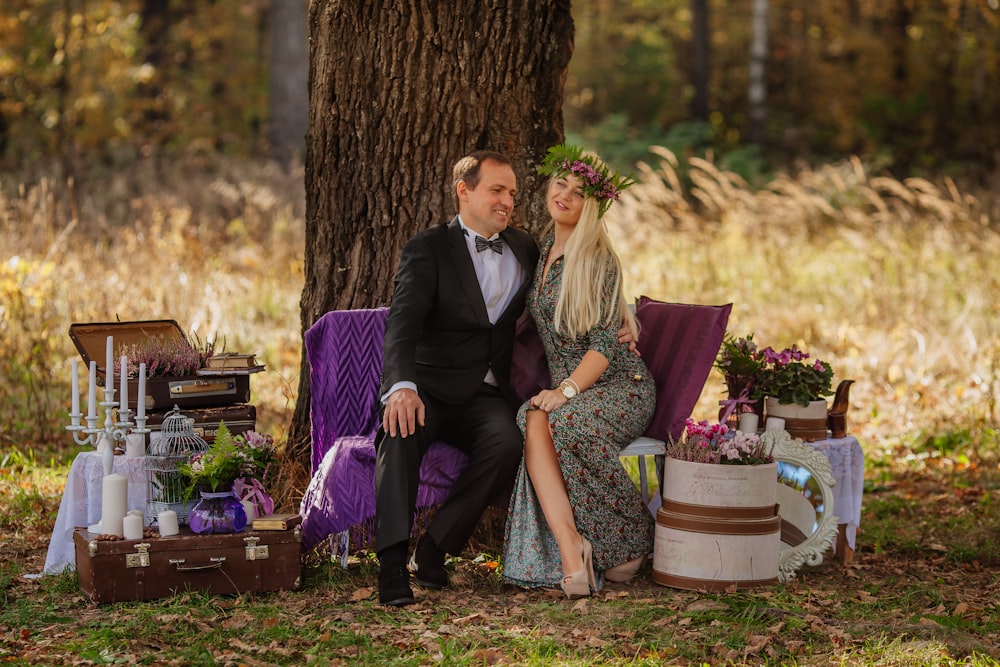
(588, 432)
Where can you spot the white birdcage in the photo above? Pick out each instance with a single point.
(166, 486)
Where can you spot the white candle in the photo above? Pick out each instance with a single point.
(92, 391)
(114, 504)
(132, 527)
(123, 398)
(775, 424)
(748, 422)
(167, 521)
(250, 510)
(141, 401)
(135, 444)
(109, 369)
(76, 387)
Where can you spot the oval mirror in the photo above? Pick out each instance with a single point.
(805, 499)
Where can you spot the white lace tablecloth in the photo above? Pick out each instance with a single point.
(81, 503)
(847, 463)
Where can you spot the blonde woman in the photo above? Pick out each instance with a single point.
(575, 512)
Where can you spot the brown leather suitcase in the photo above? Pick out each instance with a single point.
(239, 419)
(150, 568)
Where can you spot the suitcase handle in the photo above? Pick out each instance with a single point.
(200, 388)
(215, 564)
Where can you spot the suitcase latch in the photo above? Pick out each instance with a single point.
(256, 551)
(140, 559)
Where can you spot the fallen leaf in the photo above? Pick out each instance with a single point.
(360, 594)
(705, 605)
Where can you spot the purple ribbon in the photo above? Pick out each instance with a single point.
(731, 404)
(256, 494)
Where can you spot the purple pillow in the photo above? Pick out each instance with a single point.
(529, 371)
(679, 343)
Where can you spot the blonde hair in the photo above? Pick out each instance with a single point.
(587, 262)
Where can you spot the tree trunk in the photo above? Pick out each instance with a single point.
(398, 92)
(757, 93)
(288, 65)
(701, 47)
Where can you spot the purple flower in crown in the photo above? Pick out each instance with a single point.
(598, 181)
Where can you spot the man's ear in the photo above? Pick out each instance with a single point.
(462, 190)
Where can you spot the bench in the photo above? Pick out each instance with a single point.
(679, 343)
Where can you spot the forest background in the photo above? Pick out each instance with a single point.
(829, 167)
(109, 106)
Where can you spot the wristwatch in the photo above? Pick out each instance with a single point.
(567, 390)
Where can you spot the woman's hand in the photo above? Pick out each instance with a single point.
(548, 400)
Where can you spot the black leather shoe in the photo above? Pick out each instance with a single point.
(394, 586)
(427, 565)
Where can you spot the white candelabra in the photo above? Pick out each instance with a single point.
(112, 431)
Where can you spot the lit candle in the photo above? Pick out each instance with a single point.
(76, 387)
(114, 504)
(141, 401)
(775, 424)
(748, 422)
(92, 391)
(167, 522)
(132, 526)
(123, 398)
(109, 370)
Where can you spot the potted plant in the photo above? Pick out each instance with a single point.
(739, 361)
(718, 526)
(243, 459)
(795, 389)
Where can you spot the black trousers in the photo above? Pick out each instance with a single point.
(484, 428)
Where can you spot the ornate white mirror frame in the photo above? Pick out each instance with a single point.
(810, 551)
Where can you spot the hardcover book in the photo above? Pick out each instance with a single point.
(277, 521)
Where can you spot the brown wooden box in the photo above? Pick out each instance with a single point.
(228, 564)
(239, 419)
(162, 393)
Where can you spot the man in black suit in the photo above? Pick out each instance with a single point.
(459, 290)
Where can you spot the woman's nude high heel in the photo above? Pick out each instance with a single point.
(624, 571)
(580, 583)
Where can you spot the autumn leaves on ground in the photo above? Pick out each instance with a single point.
(890, 281)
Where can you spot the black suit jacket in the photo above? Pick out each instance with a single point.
(438, 334)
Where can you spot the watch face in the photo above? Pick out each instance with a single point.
(568, 391)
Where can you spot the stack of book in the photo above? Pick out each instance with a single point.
(231, 363)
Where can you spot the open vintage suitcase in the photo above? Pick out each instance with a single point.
(205, 388)
(150, 568)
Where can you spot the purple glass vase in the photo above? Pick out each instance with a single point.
(219, 512)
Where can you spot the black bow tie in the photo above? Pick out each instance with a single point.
(495, 245)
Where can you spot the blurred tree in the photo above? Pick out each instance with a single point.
(757, 94)
(288, 93)
(701, 52)
(386, 124)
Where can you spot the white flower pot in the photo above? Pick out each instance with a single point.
(718, 526)
(806, 422)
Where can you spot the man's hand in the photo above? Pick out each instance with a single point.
(625, 336)
(405, 410)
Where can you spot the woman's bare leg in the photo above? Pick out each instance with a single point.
(550, 488)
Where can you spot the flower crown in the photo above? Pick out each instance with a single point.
(598, 181)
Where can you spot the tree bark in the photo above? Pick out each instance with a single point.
(288, 65)
(398, 92)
